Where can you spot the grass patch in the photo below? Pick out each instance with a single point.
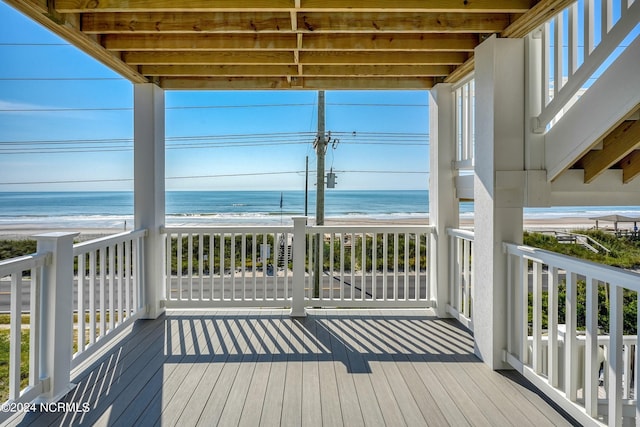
(4, 362)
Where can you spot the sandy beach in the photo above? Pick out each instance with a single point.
(23, 231)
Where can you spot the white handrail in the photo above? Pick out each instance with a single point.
(576, 385)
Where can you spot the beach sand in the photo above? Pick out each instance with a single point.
(24, 231)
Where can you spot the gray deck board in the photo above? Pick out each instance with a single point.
(332, 368)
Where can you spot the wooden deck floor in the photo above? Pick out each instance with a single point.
(333, 368)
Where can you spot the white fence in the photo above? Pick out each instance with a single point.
(582, 361)
(461, 276)
(369, 266)
(66, 310)
(254, 266)
(237, 266)
(107, 287)
(25, 274)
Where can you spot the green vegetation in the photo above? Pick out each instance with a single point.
(623, 253)
(16, 248)
(4, 362)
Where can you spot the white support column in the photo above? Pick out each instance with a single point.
(149, 189)
(498, 187)
(299, 249)
(443, 204)
(57, 314)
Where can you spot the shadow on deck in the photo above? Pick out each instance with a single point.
(260, 367)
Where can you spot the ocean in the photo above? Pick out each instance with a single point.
(112, 209)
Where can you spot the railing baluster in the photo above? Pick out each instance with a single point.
(363, 263)
(552, 319)
(406, 266)
(35, 306)
(112, 287)
(522, 311)
(396, 250)
(232, 266)
(573, 39)
(127, 277)
(103, 274)
(254, 239)
(120, 271)
(591, 365)
(466, 251)
(190, 265)
(201, 264)
(92, 297)
(243, 264)
(179, 265)
(81, 307)
(385, 264)
(588, 28)
(606, 17)
(265, 262)
(537, 317)
(353, 266)
(332, 237)
(168, 264)
(342, 250)
(614, 393)
(570, 344)
(558, 68)
(15, 336)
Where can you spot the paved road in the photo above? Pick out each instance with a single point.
(330, 286)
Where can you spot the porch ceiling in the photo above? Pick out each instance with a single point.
(287, 44)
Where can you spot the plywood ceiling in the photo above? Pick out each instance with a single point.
(287, 44)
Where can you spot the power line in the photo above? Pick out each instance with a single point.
(230, 175)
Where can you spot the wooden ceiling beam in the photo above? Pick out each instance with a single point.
(630, 166)
(198, 42)
(195, 23)
(261, 41)
(390, 41)
(218, 70)
(382, 58)
(280, 22)
(207, 58)
(501, 6)
(377, 70)
(619, 143)
(292, 70)
(83, 6)
(402, 22)
(257, 83)
(368, 83)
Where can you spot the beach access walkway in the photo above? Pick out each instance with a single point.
(262, 367)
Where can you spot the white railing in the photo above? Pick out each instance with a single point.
(461, 276)
(369, 266)
(107, 288)
(25, 275)
(465, 123)
(254, 266)
(232, 266)
(104, 294)
(589, 43)
(566, 364)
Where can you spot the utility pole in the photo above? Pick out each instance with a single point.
(321, 149)
(306, 186)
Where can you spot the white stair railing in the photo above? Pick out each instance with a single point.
(590, 42)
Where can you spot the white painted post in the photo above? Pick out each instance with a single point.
(443, 204)
(498, 187)
(299, 249)
(57, 315)
(149, 190)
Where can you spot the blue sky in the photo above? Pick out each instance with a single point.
(85, 100)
